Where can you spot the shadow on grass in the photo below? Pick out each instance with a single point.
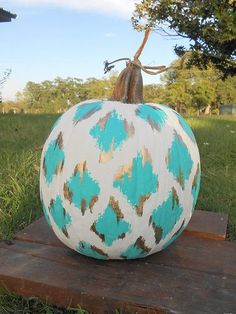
(12, 304)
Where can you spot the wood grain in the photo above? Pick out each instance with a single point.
(100, 289)
(203, 224)
(196, 274)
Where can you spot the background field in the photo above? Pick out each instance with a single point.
(21, 138)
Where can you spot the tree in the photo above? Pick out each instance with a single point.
(225, 92)
(198, 88)
(60, 94)
(177, 84)
(153, 93)
(191, 90)
(3, 79)
(210, 25)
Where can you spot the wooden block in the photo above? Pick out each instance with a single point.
(137, 286)
(203, 224)
(39, 232)
(194, 275)
(207, 225)
(211, 256)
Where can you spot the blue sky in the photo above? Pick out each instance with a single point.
(51, 38)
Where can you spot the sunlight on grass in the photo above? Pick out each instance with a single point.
(216, 137)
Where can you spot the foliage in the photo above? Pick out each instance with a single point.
(210, 25)
(226, 91)
(3, 79)
(153, 93)
(192, 90)
(60, 94)
(186, 90)
(5, 76)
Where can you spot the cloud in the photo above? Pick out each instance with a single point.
(109, 35)
(122, 8)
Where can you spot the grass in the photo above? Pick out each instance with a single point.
(21, 137)
(216, 137)
(12, 304)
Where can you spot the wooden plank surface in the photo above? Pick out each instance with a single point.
(196, 274)
(39, 232)
(203, 224)
(208, 225)
(99, 288)
(186, 252)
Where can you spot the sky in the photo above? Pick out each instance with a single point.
(72, 38)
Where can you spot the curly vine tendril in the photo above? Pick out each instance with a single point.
(152, 70)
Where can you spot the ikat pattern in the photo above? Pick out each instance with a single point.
(112, 216)
(81, 189)
(136, 250)
(137, 180)
(154, 116)
(59, 215)
(86, 110)
(165, 216)
(112, 190)
(54, 159)
(110, 132)
(179, 160)
(90, 250)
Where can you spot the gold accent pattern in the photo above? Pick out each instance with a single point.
(146, 156)
(106, 156)
(59, 141)
(99, 251)
(140, 243)
(83, 206)
(59, 167)
(129, 128)
(67, 194)
(123, 170)
(142, 200)
(175, 198)
(115, 206)
(180, 178)
(81, 168)
(94, 199)
(93, 228)
(102, 121)
(194, 184)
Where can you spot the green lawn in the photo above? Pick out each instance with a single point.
(21, 137)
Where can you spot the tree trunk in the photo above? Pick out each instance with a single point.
(208, 110)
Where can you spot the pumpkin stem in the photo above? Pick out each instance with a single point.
(140, 49)
(129, 85)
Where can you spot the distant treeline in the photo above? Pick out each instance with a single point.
(186, 90)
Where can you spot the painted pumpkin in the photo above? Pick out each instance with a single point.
(119, 180)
